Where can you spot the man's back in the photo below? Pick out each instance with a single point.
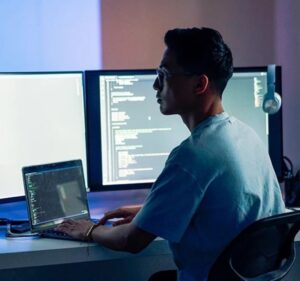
(224, 181)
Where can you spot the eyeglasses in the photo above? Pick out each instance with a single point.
(162, 74)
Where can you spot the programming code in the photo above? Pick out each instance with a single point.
(136, 138)
(55, 195)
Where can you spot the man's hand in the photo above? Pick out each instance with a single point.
(124, 237)
(75, 228)
(125, 214)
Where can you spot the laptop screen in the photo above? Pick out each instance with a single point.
(55, 192)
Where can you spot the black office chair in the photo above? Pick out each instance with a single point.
(264, 251)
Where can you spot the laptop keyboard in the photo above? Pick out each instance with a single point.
(18, 229)
(51, 233)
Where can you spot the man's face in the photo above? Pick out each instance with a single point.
(175, 89)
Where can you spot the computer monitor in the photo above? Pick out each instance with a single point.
(129, 139)
(42, 120)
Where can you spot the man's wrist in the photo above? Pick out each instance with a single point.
(89, 232)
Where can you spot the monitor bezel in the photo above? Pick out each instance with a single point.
(17, 73)
(94, 137)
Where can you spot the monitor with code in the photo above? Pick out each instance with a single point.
(129, 139)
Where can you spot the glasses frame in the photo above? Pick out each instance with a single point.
(163, 74)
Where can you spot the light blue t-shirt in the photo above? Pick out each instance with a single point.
(214, 184)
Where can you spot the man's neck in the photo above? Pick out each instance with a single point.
(192, 119)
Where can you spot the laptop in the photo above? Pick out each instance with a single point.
(55, 192)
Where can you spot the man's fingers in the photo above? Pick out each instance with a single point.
(63, 227)
(118, 213)
(124, 221)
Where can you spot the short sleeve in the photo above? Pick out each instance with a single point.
(171, 204)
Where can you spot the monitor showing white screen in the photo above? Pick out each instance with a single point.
(42, 120)
(129, 139)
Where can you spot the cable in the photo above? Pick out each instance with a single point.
(10, 232)
(288, 171)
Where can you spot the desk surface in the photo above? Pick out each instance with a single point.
(22, 258)
(28, 252)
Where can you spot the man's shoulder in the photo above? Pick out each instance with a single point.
(192, 152)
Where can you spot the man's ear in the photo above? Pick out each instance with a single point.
(201, 84)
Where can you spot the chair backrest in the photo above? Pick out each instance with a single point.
(264, 250)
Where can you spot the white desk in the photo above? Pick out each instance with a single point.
(27, 259)
(43, 259)
(27, 252)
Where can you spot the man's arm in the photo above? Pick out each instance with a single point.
(124, 237)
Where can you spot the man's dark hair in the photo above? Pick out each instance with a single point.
(202, 51)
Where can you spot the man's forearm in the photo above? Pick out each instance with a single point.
(124, 237)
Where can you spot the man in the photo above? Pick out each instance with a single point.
(214, 184)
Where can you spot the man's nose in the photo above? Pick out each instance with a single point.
(156, 84)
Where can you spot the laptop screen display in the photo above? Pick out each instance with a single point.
(55, 192)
